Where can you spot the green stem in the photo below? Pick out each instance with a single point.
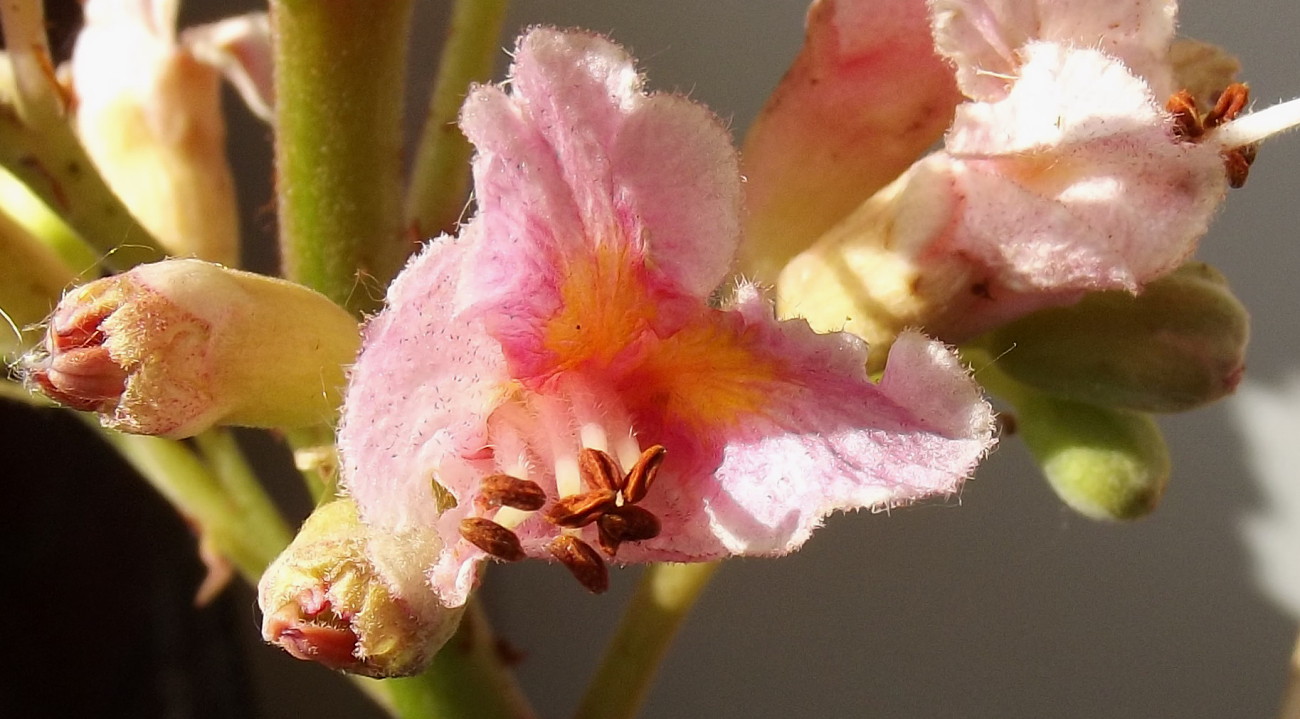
(440, 177)
(664, 595)
(338, 122)
(263, 524)
(467, 679)
(176, 473)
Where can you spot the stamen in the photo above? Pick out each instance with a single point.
(492, 538)
(509, 517)
(599, 470)
(568, 478)
(592, 435)
(579, 510)
(628, 523)
(1255, 126)
(503, 490)
(643, 474)
(1230, 104)
(1187, 120)
(582, 562)
(626, 448)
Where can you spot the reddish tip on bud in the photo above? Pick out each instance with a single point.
(355, 600)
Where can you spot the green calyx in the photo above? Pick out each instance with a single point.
(1178, 345)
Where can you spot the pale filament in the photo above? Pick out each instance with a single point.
(1255, 126)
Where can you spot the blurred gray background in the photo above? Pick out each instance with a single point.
(1002, 604)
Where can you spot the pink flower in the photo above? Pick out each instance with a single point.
(1062, 174)
(556, 377)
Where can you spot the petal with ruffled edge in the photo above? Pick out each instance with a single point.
(1074, 180)
(636, 180)
(984, 37)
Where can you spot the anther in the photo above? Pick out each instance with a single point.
(599, 470)
(1236, 163)
(492, 538)
(582, 562)
(503, 490)
(643, 474)
(1231, 102)
(579, 510)
(1187, 120)
(628, 523)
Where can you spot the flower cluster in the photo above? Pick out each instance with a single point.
(590, 372)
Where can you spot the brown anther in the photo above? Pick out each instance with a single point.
(628, 523)
(643, 474)
(492, 538)
(579, 510)
(1236, 162)
(502, 490)
(599, 470)
(582, 562)
(1187, 120)
(1231, 102)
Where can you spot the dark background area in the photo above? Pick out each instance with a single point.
(1002, 604)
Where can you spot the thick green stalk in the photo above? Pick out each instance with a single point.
(663, 597)
(263, 524)
(467, 679)
(440, 177)
(339, 76)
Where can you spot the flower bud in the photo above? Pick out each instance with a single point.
(1178, 345)
(31, 278)
(353, 599)
(174, 347)
(1104, 463)
(149, 115)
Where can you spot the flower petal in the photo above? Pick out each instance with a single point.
(640, 177)
(917, 434)
(1064, 190)
(866, 95)
(984, 37)
(418, 393)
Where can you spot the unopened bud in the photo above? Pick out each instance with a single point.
(149, 115)
(175, 347)
(1104, 463)
(1178, 345)
(353, 599)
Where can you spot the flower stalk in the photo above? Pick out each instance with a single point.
(248, 533)
(338, 114)
(440, 178)
(664, 596)
(467, 678)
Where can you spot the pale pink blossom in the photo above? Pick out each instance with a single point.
(1061, 174)
(572, 314)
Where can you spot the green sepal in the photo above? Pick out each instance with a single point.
(1179, 344)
